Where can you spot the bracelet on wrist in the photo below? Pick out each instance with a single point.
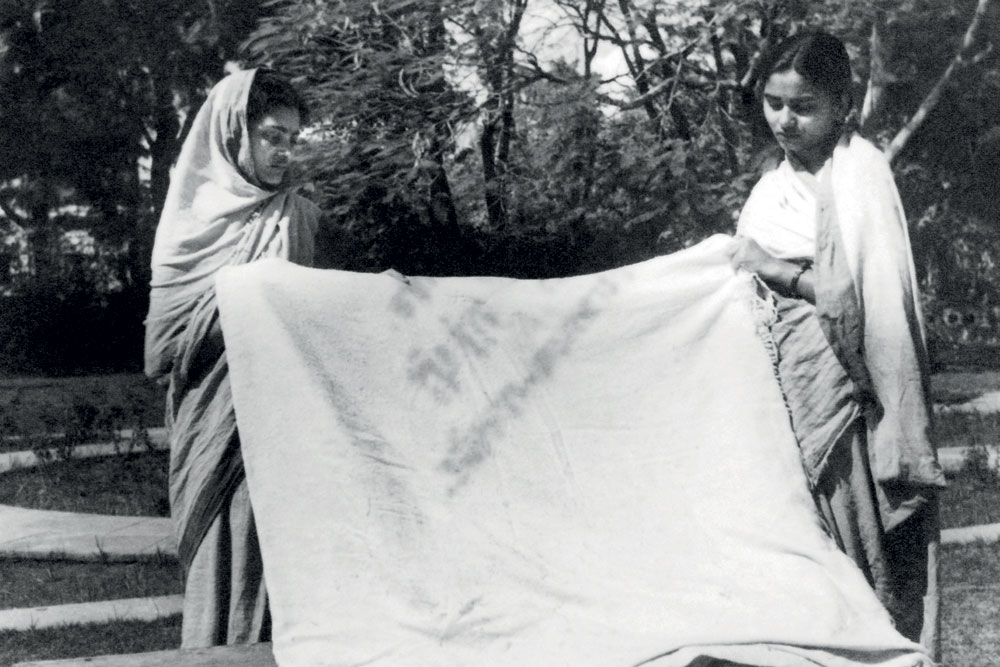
(793, 286)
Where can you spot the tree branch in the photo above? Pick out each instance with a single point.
(644, 98)
(722, 100)
(11, 214)
(662, 86)
(960, 60)
(874, 93)
(590, 46)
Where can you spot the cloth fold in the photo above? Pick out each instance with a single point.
(482, 471)
(859, 354)
(868, 215)
(215, 215)
(850, 221)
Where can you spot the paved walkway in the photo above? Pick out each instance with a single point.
(989, 532)
(42, 534)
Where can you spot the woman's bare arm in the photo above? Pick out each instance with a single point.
(781, 275)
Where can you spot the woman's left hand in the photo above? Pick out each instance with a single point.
(745, 253)
(782, 275)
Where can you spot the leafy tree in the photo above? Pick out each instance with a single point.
(90, 87)
(920, 68)
(92, 92)
(444, 141)
(539, 159)
(385, 117)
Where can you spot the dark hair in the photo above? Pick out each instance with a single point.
(818, 57)
(270, 91)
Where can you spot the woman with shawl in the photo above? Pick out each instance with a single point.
(228, 203)
(825, 231)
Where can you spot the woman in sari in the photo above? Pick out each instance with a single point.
(825, 231)
(228, 203)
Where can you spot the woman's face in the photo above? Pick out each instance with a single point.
(805, 119)
(272, 138)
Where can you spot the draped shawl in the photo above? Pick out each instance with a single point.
(216, 213)
(866, 301)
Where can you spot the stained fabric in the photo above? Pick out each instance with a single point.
(216, 214)
(597, 470)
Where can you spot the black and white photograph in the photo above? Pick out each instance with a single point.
(499, 333)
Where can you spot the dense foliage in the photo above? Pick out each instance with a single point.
(94, 99)
(492, 137)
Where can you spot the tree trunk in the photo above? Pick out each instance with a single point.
(493, 188)
(165, 147)
(443, 213)
(498, 124)
(163, 150)
(44, 234)
(877, 77)
(680, 120)
(442, 200)
(960, 60)
(722, 102)
(637, 65)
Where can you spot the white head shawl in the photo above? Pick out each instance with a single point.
(212, 189)
(213, 195)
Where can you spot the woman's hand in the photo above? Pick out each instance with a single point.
(745, 253)
(779, 274)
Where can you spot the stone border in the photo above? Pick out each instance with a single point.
(105, 611)
(988, 533)
(953, 458)
(31, 458)
(236, 655)
(984, 403)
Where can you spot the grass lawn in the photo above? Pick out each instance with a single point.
(961, 386)
(966, 429)
(970, 605)
(80, 408)
(132, 484)
(971, 499)
(959, 429)
(129, 484)
(89, 640)
(32, 583)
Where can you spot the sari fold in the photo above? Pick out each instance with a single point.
(205, 456)
(854, 369)
(216, 214)
(866, 299)
(879, 315)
